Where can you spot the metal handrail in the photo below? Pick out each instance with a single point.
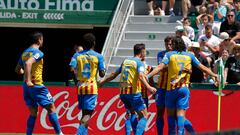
(118, 24)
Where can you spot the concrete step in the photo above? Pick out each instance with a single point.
(147, 35)
(163, 27)
(129, 52)
(117, 60)
(140, 6)
(135, 19)
(148, 43)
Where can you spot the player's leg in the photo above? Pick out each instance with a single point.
(182, 106)
(131, 122)
(140, 107)
(128, 126)
(131, 119)
(53, 118)
(180, 121)
(32, 106)
(160, 103)
(170, 101)
(31, 119)
(188, 126)
(83, 126)
(87, 103)
(45, 99)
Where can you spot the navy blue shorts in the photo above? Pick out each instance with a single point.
(178, 98)
(87, 101)
(37, 95)
(160, 97)
(133, 101)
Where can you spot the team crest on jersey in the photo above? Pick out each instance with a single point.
(36, 56)
(141, 69)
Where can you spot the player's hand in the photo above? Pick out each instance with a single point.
(186, 70)
(29, 83)
(152, 90)
(154, 96)
(100, 84)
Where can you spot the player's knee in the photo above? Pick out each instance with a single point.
(85, 120)
(50, 108)
(143, 113)
(33, 111)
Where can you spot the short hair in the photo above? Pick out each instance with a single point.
(205, 15)
(34, 37)
(208, 26)
(186, 19)
(178, 44)
(168, 38)
(88, 41)
(137, 49)
(229, 11)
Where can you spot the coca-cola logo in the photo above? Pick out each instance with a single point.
(109, 114)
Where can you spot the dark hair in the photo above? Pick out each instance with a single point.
(208, 26)
(168, 38)
(178, 44)
(205, 15)
(88, 41)
(138, 48)
(186, 18)
(34, 37)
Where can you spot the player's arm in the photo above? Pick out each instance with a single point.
(28, 68)
(101, 66)
(102, 73)
(208, 71)
(160, 66)
(151, 81)
(19, 69)
(143, 79)
(156, 70)
(109, 78)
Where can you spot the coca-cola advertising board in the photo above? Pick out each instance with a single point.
(109, 116)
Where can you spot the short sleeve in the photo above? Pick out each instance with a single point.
(160, 57)
(166, 58)
(20, 62)
(101, 64)
(140, 67)
(37, 55)
(73, 63)
(119, 69)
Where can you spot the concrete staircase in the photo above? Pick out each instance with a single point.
(150, 30)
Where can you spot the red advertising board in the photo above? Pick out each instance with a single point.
(109, 116)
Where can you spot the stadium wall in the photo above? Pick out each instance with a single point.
(109, 115)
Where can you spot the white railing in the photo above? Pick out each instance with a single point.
(115, 33)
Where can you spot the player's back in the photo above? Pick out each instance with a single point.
(178, 63)
(88, 63)
(37, 67)
(148, 69)
(129, 83)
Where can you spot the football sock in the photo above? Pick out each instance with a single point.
(30, 124)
